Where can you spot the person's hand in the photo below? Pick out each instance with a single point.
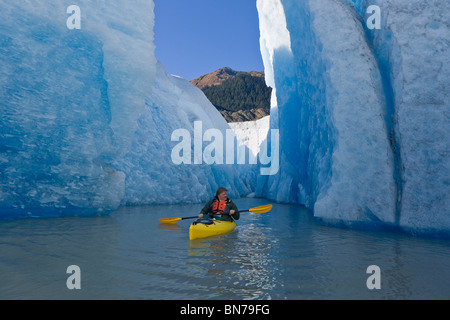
(200, 215)
(232, 212)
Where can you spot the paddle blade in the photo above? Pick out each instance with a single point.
(261, 209)
(169, 220)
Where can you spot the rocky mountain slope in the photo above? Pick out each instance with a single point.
(239, 96)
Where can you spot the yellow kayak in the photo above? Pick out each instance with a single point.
(210, 228)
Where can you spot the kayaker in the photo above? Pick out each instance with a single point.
(220, 208)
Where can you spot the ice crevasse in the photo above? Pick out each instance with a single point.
(86, 115)
(363, 113)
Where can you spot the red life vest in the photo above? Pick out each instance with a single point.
(218, 206)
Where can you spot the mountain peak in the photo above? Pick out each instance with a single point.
(218, 76)
(214, 78)
(237, 95)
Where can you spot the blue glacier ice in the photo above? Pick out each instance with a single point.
(86, 115)
(363, 113)
(151, 175)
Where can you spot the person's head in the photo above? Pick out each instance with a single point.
(221, 193)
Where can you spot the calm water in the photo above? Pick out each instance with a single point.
(284, 254)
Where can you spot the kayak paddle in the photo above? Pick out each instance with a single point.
(260, 209)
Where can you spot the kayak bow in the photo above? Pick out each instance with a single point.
(199, 230)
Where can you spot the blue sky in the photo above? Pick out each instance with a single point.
(195, 37)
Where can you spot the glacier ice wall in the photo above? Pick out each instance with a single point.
(86, 115)
(363, 114)
(414, 48)
(151, 176)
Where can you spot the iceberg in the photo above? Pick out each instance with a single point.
(363, 112)
(152, 176)
(87, 113)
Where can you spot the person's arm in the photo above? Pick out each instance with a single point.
(234, 212)
(205, 209)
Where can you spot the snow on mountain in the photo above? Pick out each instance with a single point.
(251, 133)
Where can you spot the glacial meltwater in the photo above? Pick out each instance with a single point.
(283, 254)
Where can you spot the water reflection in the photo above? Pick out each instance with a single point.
(169, 227)
(240, 262)
(284, 254)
